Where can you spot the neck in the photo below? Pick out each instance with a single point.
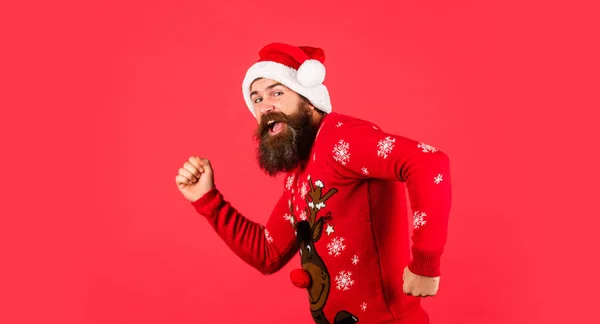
(317, 118)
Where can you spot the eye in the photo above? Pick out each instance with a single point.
(277, 93)
(257, 100)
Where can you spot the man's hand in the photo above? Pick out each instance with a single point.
(419, 286)
(195, 178)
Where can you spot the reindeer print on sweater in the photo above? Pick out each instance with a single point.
(309, 232)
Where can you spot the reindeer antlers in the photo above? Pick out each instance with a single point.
(318, 200)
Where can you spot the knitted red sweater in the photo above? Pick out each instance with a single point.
(345, 213)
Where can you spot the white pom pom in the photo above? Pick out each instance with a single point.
(311, 73)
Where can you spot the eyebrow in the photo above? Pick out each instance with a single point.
(267, 88)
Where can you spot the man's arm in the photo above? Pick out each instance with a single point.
(266, 248)
(362, 150)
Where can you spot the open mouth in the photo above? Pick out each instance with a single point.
(274, 127)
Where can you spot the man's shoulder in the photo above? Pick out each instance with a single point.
(336, 122)
(339, 130)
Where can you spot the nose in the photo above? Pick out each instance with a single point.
(266, 108)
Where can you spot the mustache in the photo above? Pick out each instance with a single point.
(276, 116)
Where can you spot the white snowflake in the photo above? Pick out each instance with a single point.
(311, 204)
(268, 236)
(336, 246)
(363, 307)
(329, 229)
(355, 259)
(289, 218)
(418, 220)
(320, 205)
(303, 215)
(290, 182)
(339, 124)
(385, 146)
(319, 183)
(344, 280)
(303, 190)
(365, 171)
(297, 208)
(426, 148)
(341, 152)
(438, 179)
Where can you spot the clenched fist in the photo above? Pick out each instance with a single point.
(419, 286)
(195, 178)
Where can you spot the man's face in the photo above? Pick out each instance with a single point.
(285, 131)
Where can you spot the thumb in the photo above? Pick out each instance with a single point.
(205, 163)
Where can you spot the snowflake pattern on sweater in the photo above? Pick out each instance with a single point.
(341, 152)
(385, 146)
(336, 246)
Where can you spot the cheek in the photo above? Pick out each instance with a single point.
(290, 109)
(288, 105)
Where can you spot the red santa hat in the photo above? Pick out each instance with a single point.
(299, 68)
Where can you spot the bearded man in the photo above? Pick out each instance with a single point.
(340, 207)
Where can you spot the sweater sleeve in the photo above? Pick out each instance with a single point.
(361, 150)
(267, 248)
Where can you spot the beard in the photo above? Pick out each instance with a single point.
(283, 151)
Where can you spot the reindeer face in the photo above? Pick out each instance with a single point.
(313, 264)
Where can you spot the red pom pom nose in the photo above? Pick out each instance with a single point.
(300, 278)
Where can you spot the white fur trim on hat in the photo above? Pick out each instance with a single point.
(311, 76)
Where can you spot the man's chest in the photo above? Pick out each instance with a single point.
(311, 191)
(317, 195)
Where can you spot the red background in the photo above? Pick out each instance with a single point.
(102, 102)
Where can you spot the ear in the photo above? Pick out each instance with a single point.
(318, 229)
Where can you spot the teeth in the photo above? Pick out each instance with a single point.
(270, 122)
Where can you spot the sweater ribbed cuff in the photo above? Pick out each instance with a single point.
(425, 263)
(208, 204)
